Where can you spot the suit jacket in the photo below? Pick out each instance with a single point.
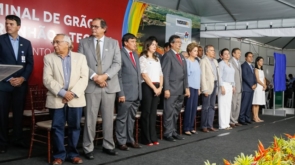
(248, 77)
(111, 62)
(238, 75)
(175, 73)
(7, 57)
(53, 80)
(130, 77)
(207, 76)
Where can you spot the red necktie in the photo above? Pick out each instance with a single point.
(132, 59)
(179, 59)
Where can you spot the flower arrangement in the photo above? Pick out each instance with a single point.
(281, 152)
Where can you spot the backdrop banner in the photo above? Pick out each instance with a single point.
(42, 20)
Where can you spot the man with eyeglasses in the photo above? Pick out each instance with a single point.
(65, 75)
(104, 62)
(14, 50)
(175, 87)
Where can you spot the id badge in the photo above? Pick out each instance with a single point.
(23, 59)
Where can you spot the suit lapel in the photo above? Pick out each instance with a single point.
(91, 47)
(209, 63)
(128, 57)
(8, 43)
(105, 47)
(73, 65)
(174, 56)
(59, 66)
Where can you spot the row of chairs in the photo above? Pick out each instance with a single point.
(41, 125)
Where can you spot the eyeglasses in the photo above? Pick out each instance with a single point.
(94, 26)
(57, 42)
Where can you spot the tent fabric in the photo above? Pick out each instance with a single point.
(279, 72)
(280, 32)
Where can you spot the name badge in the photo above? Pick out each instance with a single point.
(23, 57)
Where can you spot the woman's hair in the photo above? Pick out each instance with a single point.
(147, 43)
(223, 50)
(190, 47)
(257, 59)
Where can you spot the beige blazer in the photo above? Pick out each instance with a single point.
(207, 76)
(53, 80)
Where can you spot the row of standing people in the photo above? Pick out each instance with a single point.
(108, 75)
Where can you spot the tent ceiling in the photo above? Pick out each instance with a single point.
(213, 11)
(280, 42)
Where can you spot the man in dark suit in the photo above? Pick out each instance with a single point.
(248, 86)
(175, 87)
(14, 50)
(130, 95)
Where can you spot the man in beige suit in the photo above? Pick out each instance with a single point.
(237, 95)
(209, 81)
(65, 75)
(104, 62)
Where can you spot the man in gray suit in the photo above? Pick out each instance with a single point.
(104, 62)
(130, 95)
(236, 99)
(175, 87)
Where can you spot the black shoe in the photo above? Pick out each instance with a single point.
(109, 151)
(3, 149)
(89, 155)
(178, 137)
(243, 123)
(21, 144)
(170, 139)
(248, 122)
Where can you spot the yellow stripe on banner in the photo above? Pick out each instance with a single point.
(138, 9)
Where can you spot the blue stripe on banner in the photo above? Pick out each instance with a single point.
(280, 72)
(126, 18)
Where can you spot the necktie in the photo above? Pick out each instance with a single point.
(132, 59)
(99, 68)
(179, 59)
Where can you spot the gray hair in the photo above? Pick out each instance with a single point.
(67, 39)
(207, 47)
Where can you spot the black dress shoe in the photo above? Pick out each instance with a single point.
(89, 155)
(248, 122)
(178, 137)
(109, 151)
(3, 149)
(170, 139)
(243, 123)
(123, 147)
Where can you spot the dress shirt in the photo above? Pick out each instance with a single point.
(15, 45)
(151, 67)
(128, 51)
(193, 73)
(100, 44)
(213, 67)
(236, 61)
(226, 73)
(66, 65)
(101, 51)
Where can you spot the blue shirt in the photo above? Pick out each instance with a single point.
(213, 67)
(66, 65)
(193, 74)
(15, 45)
(226, 73)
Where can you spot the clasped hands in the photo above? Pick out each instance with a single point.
(100, 80)
(17, 81)
(68, 97)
